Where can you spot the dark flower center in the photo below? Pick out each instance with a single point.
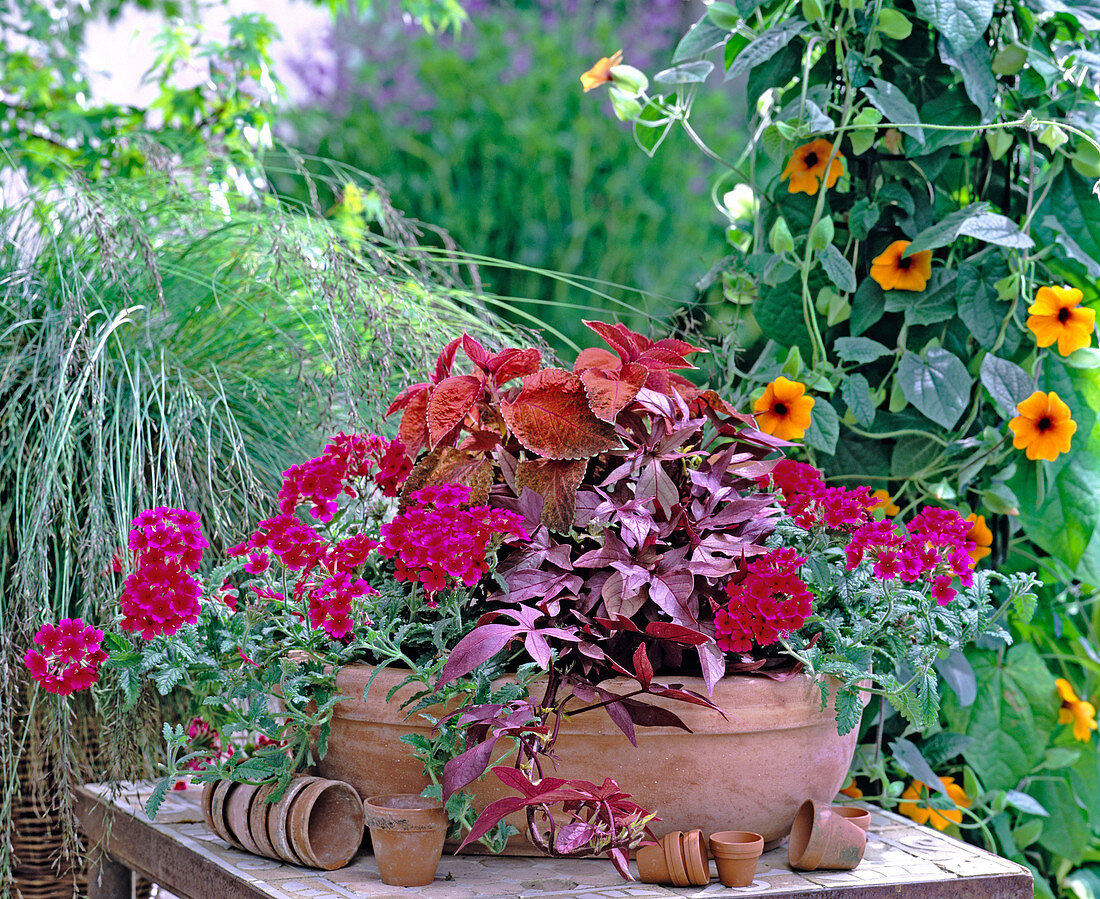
(904, 264)
(1063, 314)
(1045, 424)
(781, 409)
(810, 160)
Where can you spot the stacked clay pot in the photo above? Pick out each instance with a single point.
(316, 823)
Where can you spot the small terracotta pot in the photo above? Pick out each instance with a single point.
(820, 838)
(222, 790)
(257, 820)
(696, 858)
(858, 816)
(735, 853)
(674, 858)
(237, 808)
(407, 831)
(278, 830)
(204, 803)
(326, 824)
(652, 867)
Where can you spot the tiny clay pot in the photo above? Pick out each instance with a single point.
(820, 838)
(326, 824)
(257, 820)
(652, 867)
(735, 853)
(218, 798)
(278, 830)
(861, 817)
(237, 808)
(674, 858)
(696, 858)
(407, 832)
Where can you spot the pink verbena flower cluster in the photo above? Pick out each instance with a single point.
(159, 597)
(347, 457)
(296, 544)
(69, 655)
(330, 603)
(437, 537)
(771, 600)
(812, 504)
(935, 546)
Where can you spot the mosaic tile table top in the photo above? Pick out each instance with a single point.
(902, 859)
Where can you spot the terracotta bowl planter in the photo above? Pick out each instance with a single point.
(776, 749)
(407, 833)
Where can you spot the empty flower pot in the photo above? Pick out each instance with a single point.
(820, 838)
(735, 853)
(674, 858)
(326, 824)
(696, 858)
(407, 832)
(222, 790)
(237, 808)
(858, 816)
(278, 824)
(652, 867)
(257, 820)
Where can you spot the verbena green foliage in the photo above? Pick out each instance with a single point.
(166, 341)
(517, 163)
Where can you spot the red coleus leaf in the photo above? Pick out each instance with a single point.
(596, 358)
(451, 399)
(621, 339)
(684, 696)
(618, 713)
(517, 780)
(405, 397)
(514, 363)
(660, 358)
(611, 391)
(445, 361)
(643, 670)
(465, 768)
(556, 481)
(413, 430)
(550, 416)
(476, 352)
(494, 813)
(645, 715)
(447, 465)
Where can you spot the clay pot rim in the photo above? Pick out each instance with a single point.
(297, 813)
(246, 839)
(859, 816)
(755, 700)
(811, 814)
(694, 850)
(674, 857)
(289, 795)
(257, 820)
(217, 811)
(725, 844)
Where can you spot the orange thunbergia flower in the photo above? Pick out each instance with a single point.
(938, 818)
(981, 535)
(1076, 711)
(1057, 316)
(1043, 426)
(806, 167)
(852, 791)
(885, 502)
(784, 409)
(600, 73)
(892, 272)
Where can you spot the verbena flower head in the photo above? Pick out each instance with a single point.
(769, 602)
(438, 538)
(331, 604)
(68, 658)
(168, 535)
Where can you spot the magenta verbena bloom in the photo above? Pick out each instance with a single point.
(770, 601)
(167, 535)
(330, 604)
(437, 539)
(68, 658)
(158, 599)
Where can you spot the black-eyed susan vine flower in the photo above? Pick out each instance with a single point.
(600, 73)
(893, 271)
(1043, 427)
(981, 535)
(1057, 317)
(938, 818)
(807, 167)
(852, 791)
(784, 410)
(1076, 711)
(884, 501)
